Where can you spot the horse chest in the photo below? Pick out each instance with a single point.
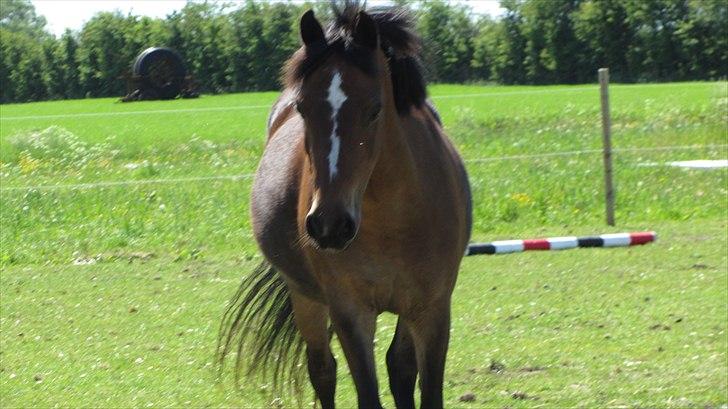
(389, 274)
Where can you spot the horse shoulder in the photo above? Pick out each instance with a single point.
(440, 163)
(278, 175)
(275, 196)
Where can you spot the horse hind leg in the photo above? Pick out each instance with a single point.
(402, 367)
(312, 322)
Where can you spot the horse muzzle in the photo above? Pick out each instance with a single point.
(331, 230)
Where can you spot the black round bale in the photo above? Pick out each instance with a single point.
(161, 72)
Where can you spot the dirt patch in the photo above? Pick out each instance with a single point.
(519, 395)
(532, 369)
(467, 397)
(496, 367)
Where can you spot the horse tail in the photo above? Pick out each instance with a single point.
(258, 326)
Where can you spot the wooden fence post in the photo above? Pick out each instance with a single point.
(607, 142)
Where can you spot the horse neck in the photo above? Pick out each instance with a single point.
(394, 174)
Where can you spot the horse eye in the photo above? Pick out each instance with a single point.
(299, 108)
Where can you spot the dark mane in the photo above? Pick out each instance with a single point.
(398, 41)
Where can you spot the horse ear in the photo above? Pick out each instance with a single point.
(311, 30)
(365, 32)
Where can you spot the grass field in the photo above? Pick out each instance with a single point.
(111, 293)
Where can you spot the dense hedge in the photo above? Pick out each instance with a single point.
(242, 47)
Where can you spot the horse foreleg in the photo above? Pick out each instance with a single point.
(402, 367)
(311, 320)
(431, 334)
(355, 329)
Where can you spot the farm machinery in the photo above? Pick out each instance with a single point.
(159, 73)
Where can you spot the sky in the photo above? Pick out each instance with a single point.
(62, 14)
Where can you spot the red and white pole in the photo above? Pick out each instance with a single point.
(562, 243)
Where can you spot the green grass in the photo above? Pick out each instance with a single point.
(638, 327)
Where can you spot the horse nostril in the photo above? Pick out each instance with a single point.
(347, 228)
(314, 226)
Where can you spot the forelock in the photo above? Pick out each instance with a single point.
(398, 41)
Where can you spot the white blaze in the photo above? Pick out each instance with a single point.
(336, 98)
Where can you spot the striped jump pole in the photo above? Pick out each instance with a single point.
(562, 243)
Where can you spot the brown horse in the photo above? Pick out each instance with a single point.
(360, 205)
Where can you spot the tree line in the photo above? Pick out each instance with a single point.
(241, 47)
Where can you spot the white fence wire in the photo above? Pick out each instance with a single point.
(103, 184)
